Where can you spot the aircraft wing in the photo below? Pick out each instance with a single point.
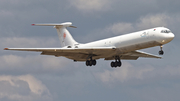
(81, 54)
(88, 49)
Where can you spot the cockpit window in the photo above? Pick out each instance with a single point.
(165, 31)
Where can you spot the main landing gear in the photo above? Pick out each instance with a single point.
(117, 62)
(161, 52)
(91, 62)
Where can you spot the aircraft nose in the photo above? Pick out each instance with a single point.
(171, 36)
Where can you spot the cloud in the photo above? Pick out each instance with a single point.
(158, 20)
(33, 64)
(90, 5)
(129, 72)
(137, 79)
(144, 22)
(29, 42)
(118, 28)
(24, 87)
(123, 74)
(30, 62)
(122, 28)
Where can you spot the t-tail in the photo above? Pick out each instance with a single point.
(64, 36)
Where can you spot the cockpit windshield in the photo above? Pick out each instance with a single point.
(165, 31)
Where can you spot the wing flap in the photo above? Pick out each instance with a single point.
(124, 57)
(142, 54)
(134, 55)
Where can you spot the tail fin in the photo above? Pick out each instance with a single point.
(64, 36)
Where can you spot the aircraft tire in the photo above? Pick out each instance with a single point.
(115, 64)
(87, 63)
(94, 62)
(112, 64)
(90, 63)
(119, 64)
(161, 52)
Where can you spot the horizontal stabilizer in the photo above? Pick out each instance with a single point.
(66, 24)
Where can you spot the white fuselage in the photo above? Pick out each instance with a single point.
(115, 48)
(135, 41)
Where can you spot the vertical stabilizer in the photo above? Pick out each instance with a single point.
(64, 36)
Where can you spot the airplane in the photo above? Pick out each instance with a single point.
(122, 47)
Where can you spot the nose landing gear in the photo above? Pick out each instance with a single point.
(161, 52)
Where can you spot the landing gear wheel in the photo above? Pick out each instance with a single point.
(94, 62)
(112, 64)
(161, 52)
(115, 64)
(119, 64)
(87, 63)
(90, 62)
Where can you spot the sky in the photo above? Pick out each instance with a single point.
(30, 76)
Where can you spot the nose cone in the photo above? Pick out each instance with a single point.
(171, 36)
